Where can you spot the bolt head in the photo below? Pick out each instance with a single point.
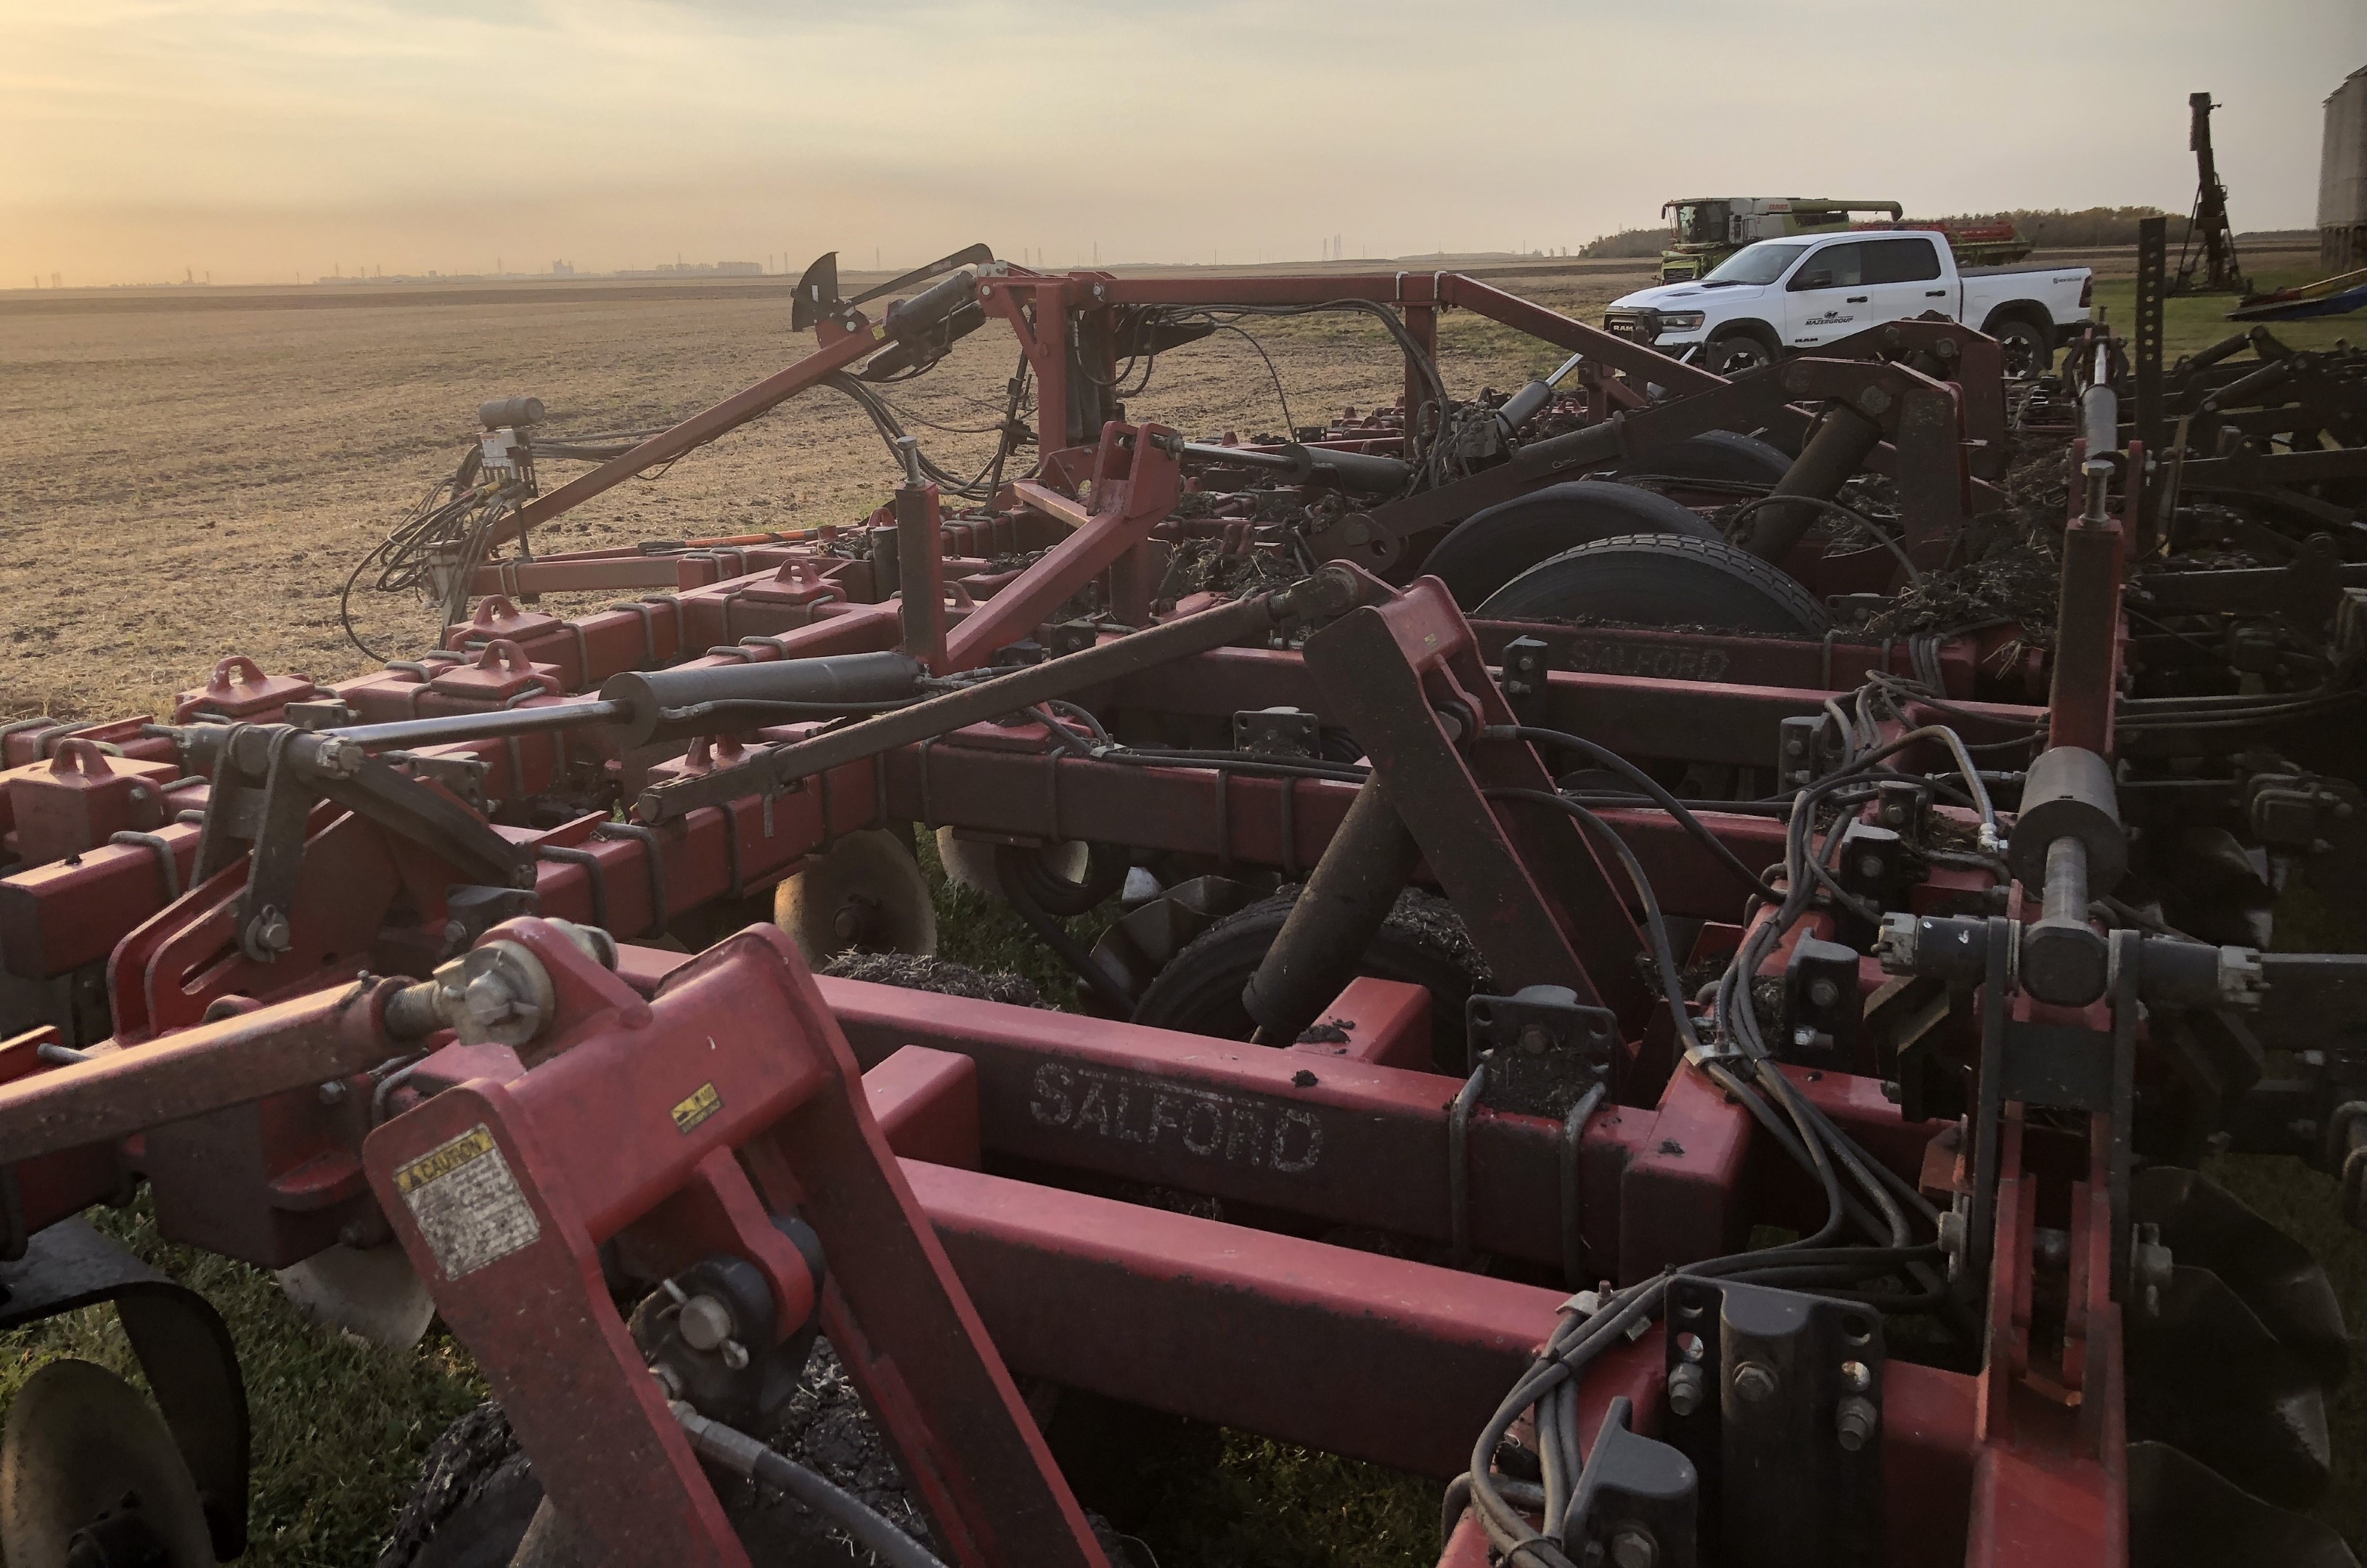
(488, 1000)
(269, 931)
(704, 1323)
(333, 1092)
(1685, 1390)
(1634, 1549)
(1823, 993)
(1855, 1420)
(1754, 1381)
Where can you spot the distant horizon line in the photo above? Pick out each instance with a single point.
(710, 271)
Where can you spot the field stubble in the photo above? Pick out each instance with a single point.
(181, 485)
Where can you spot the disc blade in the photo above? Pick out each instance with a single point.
(866, 892)
(2183, 1514)
(84, 1451)
(2205, 1376)
(2206, 1226)
(371, 1291)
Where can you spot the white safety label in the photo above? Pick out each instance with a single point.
(467, 1203)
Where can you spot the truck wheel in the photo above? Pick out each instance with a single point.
(1738, 353)
(1662, 580)
(2029, 349)
(1491, 547)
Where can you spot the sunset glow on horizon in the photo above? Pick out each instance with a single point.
(272, 140)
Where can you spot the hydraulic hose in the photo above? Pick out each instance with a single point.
(743, 1456)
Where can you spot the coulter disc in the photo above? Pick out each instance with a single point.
(370, 1291)
(89, 1474)
(1423, 943)
(867, 892)
(970, 861)
(2182, 1514)
(2206, 1376)
(2205, 1226)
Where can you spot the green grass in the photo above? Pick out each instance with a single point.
(2197, 321)
(1260, 1503)
(985, 934)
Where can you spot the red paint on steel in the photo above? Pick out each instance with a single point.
(926, 1105)
(1378, 1358)
(1135, 485)
(836, 353)
(627, 1126)
(1386, 1023)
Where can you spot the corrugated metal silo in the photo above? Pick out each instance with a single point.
(2342, 176)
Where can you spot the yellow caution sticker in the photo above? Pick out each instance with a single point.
(702, 1103)
(467, 1203)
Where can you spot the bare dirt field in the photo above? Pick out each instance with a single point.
(191, 473)
(184, 478)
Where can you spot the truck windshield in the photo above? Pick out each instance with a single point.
(1762, 263)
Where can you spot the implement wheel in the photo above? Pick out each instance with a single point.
(1662, 579)
(1422, 943)
(1714, 454)
(1491, 547)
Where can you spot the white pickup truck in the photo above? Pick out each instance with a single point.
(1783, 296)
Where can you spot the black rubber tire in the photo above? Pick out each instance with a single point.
(1105, 869)
(477, 1493)
(1423, 943)
(1712, 454)
(1662, 580)
(2029, 347)
(1737, 352)
(1491, 547)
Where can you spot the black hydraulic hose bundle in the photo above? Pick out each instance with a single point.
(1861, 1193)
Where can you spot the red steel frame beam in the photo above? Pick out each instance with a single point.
(1281, 1334)
(839, 350)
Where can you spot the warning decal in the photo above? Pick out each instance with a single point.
(467, 1203)
(702, 1103)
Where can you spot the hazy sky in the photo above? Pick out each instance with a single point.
(265, 140)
